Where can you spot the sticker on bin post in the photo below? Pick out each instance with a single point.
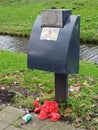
(49, 33)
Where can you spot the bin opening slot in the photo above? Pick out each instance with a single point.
(54, 18)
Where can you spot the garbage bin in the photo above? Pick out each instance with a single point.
(54, 46)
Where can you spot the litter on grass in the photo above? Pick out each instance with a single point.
(48, 110)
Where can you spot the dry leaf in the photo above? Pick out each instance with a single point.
(66, 115)
(95, 97)
(88, 118)
(77, 123)
(83, 105)
(40, 84)
(94, 105)
(15, 82)
(35, 78)
(68, 111)
(95, 119)
(86, 84)
(92, 128)
(50, 91)
(41, 95)
(72, 95)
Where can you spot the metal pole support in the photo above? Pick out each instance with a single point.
(61, 87)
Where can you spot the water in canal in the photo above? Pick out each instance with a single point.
(20, 44)
(16, 44)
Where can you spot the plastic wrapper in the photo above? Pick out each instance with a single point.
(50, 106)
(37, 109)
(54, 117)
(43, 115)
(48, 110)
(36, 103)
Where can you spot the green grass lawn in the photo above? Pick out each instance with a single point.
(82, 101)
(17, 17)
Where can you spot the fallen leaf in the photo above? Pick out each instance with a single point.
(83, 105)
(86, 84)
(50, 91)
(77, 123)
(72, 95)
(41, 95)
(94, 105)
(95, 119)
(88, 118)
(95, 97)
(35, 78)
(91, 128)
(40, 84)
(15, 82)
(68, 111)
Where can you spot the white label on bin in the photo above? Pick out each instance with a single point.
(49, 33)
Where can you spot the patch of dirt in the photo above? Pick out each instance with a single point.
(7, 94)
(67, 119)
(23, 91)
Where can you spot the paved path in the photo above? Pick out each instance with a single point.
(10, 119)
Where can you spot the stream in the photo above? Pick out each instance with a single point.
(15, 44)
(20, 44)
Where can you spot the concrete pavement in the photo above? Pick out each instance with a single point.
(10, 119)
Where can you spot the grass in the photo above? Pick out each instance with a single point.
(17, 17)
(82, 101)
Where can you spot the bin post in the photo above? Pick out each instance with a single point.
(61, 87)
